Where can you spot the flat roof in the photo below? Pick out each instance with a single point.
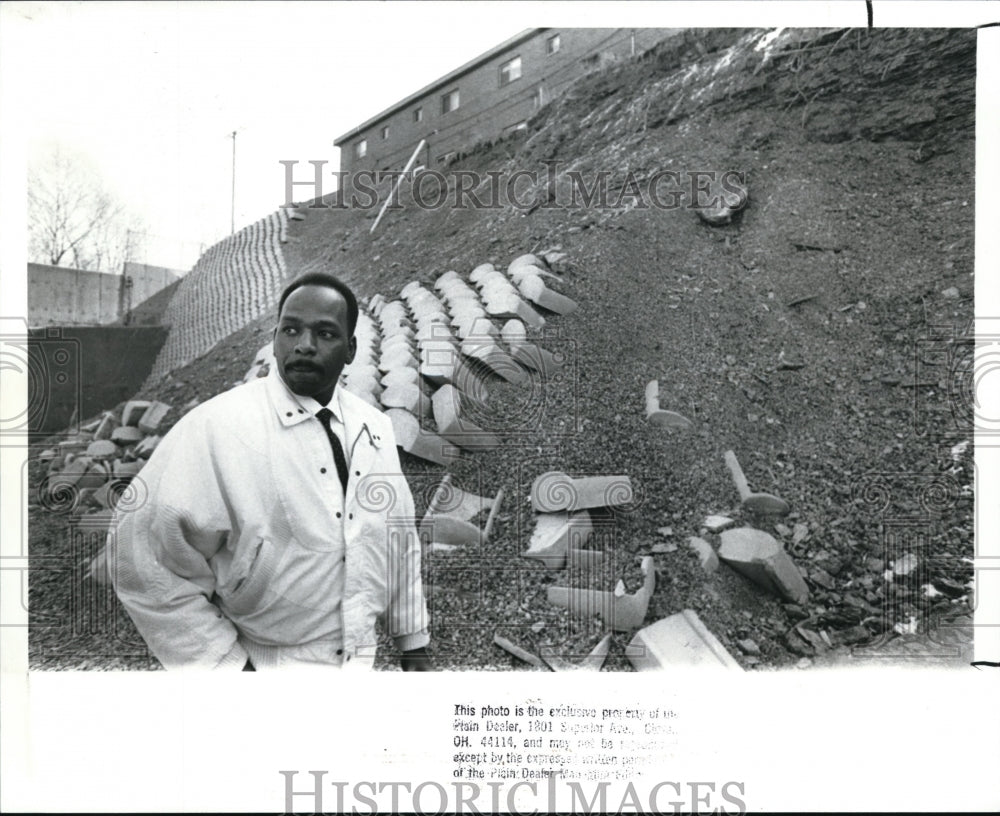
(517, 39)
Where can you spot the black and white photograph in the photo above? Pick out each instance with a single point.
(623, 380)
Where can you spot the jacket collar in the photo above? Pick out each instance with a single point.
(292, 409)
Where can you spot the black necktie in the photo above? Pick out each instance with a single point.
(338, 450)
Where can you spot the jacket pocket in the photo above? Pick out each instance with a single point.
(247, 591)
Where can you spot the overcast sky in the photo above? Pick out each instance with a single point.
(152, 91)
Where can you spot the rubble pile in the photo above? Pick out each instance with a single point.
(88, 474)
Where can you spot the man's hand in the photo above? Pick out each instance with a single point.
(417, 660)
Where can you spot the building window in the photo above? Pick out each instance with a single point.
(385, 132)
(509, 71)
(449, 101)
(510, 130)
(538, 98)
(361, 149)
(552, 44)
(418, 114)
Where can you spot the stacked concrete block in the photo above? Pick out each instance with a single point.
(501, 298)
(529, 274)
(526, 353)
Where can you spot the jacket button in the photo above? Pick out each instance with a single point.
(322, 470)
(338, 514)
(289, 413)
(340, 651)
(350, 515)
(357, 473)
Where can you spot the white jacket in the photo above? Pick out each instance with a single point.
(241, 504)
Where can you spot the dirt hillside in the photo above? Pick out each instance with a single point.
(823, 336)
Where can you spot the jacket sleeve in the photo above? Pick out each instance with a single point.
(169, 526)
(407, 617)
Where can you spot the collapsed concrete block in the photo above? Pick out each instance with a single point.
(75, 446)
(449, 516)
(146, 447)
(760, 557)
(102, 450)
(622, 612)
(126, 435)
(657, 416)
(716, 524)
(518, 652)
(557, 661)
(106, 426)
(48, 455)
(420, 442)
(584, 560)
(555, 534)
(705, 552)
(150, 422)
(126, 470)
(763, 503)
(446, 404)
(81, 473)
(679, 641)
(555, 492)
(133, 411)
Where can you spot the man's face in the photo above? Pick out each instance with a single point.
(312, 341)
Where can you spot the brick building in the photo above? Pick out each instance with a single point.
(493, 95)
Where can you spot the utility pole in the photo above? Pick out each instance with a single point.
(232, 204)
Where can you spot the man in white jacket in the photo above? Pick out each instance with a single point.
(263, 535)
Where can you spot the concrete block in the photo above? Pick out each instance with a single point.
(48, 455)
(680, 641)
(81, 473)
(557, 659)
(534, 289)
(146, 447)
(706, 554)
(446, 404)
(102, 450)
(126, 470)
(126, 435)
(487, 351)
(716, 524)
(106, 426)
(408, 396)
(658, 417)
(518, 652)
(555, 534)
(584, 560)
(760, 557)
(133, 411)
(554, 492)
(621, 612)
(419, 442)
(449, 517)
(150, 422)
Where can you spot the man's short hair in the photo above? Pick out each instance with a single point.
(331, 281)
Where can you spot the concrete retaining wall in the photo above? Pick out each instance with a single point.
(234, 282)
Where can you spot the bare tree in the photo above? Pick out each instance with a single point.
(73, 219)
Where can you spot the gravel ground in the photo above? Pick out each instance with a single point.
(811, 336)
